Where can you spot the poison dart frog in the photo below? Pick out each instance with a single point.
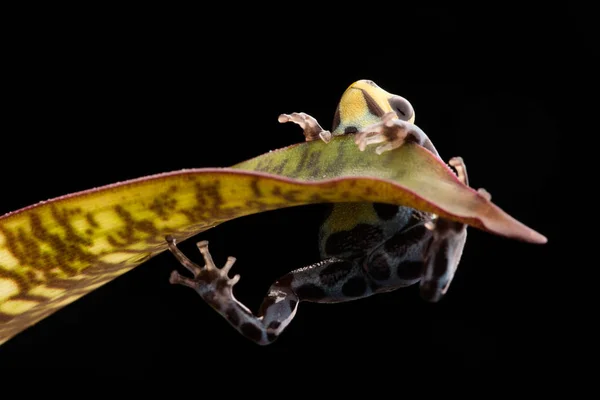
(365, 248)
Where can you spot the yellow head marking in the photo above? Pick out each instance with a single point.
(364, 103)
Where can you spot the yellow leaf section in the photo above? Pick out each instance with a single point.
(54, 252)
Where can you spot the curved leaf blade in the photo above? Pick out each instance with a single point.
(432, 185)
(54, 252)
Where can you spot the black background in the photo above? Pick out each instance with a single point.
(100, 97)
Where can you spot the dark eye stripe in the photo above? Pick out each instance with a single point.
(372, 105)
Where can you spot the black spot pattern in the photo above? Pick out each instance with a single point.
(334, 272)
(350, 129)
(410, 270)
(385, 211)
(355, 287)
(233, 316)
(378, 267)
(355, 241)
(271, 336)
(251, 331)
(398, 243)
(441, 261)
(274, 325)
(310, 291)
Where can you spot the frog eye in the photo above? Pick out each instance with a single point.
(402, 108)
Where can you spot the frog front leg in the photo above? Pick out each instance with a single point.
(328, 281)
(446, 247)
(393, 133)
(312, 128)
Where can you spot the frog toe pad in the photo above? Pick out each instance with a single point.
(312, 129)
(209, 281)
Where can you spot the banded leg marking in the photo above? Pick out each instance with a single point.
(331, 280)
(446, 247)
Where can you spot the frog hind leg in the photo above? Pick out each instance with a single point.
(446, 247)
(329, 281)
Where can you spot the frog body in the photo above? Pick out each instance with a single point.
(365, 248)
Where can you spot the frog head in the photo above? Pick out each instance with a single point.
(365, 103)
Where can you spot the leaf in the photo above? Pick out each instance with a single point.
(54, 252)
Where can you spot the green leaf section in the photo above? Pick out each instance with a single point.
(54, 252)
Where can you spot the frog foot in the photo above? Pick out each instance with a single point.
(461, 173)
(215, 287)
(391, 131)
(461, 169)
(212, 283)
(312, 129)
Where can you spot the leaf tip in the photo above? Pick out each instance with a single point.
(538, 238)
